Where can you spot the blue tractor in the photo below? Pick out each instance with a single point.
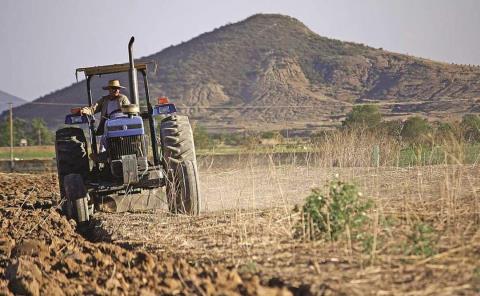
(141, 151)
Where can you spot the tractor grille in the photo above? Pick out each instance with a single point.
(119, 146)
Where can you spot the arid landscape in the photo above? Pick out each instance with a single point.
(271, 72)
(422, 237)
(242, 150)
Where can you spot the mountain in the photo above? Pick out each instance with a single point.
(272, 72)
(6, 98)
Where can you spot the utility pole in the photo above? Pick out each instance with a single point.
(39, 133)
(11, 137)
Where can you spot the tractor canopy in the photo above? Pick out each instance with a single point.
(111, 69)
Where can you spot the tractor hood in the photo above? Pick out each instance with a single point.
(124, 126)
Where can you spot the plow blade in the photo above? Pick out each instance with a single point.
(147, 200)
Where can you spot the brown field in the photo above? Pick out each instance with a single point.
(246, 232)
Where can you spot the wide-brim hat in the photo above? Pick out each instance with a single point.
(113, 84)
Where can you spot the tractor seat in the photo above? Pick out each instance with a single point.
(131, 109)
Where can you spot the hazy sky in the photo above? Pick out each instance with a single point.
(42, 42)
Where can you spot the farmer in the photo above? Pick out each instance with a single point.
(108, 105)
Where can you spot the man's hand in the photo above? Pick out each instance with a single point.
(86, 111)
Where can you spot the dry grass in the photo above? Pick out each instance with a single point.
(423, 235)
(28, 152)
(249, 222)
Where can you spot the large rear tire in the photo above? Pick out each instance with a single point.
(179, 160)
(77, 197)
(72, 158)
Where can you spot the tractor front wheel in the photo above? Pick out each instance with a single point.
(71, 154)
(179, 161)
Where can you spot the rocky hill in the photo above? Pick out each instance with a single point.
(272, 72)
(6, 98)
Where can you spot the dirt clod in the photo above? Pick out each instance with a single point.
(42, 254)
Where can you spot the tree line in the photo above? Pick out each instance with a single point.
(415, 129)
(35, 132)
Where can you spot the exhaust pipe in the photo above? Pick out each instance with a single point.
(132, 74)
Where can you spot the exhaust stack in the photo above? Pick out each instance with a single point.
(132, 74)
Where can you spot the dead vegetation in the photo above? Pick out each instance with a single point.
(421, 234)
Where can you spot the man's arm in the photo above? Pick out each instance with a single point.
(97, 107)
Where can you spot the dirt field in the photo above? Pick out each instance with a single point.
(244, 241)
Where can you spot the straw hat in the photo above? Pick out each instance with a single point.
(113, 84)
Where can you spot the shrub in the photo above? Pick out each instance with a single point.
(392, 128)
(328, 216)
(471, 126)
(416, 130)
(268, 135)
(201, 138)
(232, 139)
(421, 240)
(444, 131)
(364, 116)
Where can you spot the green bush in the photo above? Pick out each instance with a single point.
(416, 130)
(201, 138)
(268, 135)
(328, 216)
(471, 127)
(232, 139)
(363, 116)
(421, 240)
(392, 128)
(444, 131)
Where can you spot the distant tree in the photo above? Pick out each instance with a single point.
(277, 136)
(471, 127)
(268, 135)
(415, 130)
(201, 138)
(364, 116)
(31, 131)
(232, 139)
(4, 133)
(40, 132)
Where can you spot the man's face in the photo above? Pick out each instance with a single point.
(115, 92)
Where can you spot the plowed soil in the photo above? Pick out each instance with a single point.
(244, 241)
(41, 254)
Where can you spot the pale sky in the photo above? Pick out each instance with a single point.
(42, 42)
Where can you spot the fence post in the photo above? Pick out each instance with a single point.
(12, 164)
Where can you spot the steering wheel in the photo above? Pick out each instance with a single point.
(114, 111)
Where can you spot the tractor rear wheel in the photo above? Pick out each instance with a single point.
(179, 160)
(77, 197)
(72, 158)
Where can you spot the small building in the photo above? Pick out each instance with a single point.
(23, 142)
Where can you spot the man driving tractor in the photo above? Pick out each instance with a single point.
(108, 105)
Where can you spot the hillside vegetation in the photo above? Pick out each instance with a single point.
(248, 75)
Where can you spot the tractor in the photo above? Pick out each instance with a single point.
(145, 150)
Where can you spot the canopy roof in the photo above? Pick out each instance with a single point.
(109, 69)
